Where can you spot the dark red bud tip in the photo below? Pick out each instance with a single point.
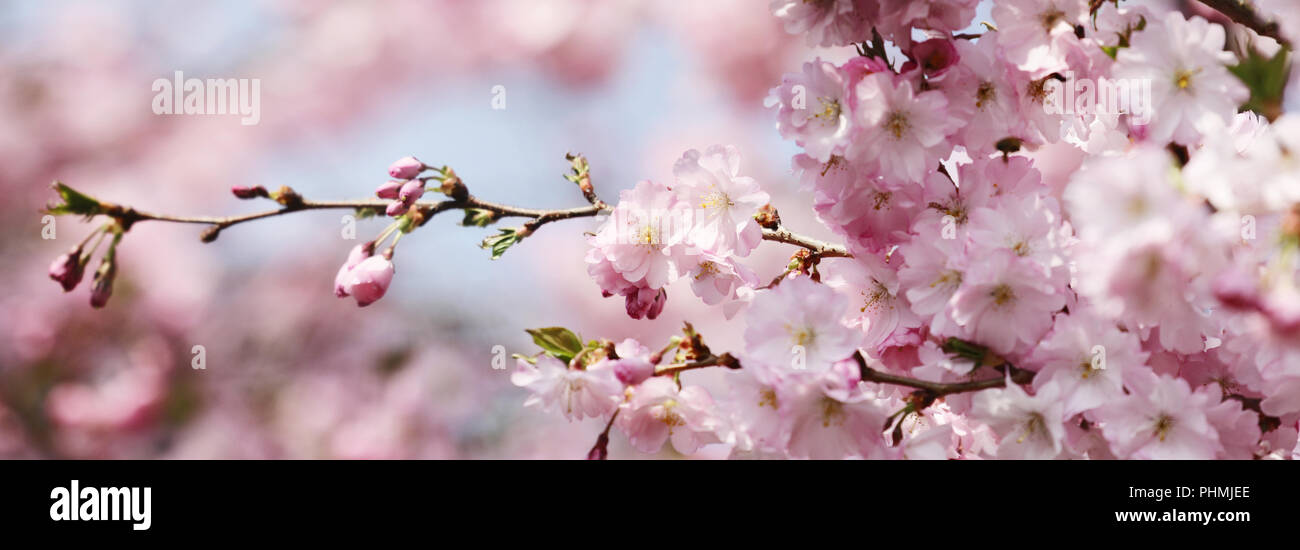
(600, 451)
(249, 192)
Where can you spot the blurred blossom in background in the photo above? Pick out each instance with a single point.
(346, 87)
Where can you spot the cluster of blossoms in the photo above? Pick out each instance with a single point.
(1143, 305)
(1073, 235)
(365, 276)
(697, 228)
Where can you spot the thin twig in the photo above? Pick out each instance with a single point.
(818, 248)
(936, 390)
(724, 360)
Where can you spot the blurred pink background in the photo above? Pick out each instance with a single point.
(347, 87)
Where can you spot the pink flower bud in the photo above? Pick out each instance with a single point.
(406, 168)
(632, 370)
(396, 208)
(389, 190)
(645, 302)
(68, 269)
(934, 56)
(369, 280)
(249, 192)
(411, 191)
(600, 451)
(359, 252)
(102, 286)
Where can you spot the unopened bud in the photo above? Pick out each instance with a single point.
(406, 168)
(68, 269)
(249, 192)
(389, 189)
(410, 192)
(102, 286)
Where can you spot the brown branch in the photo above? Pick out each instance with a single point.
(129, 216)
(818, 248)
(724, 360)
(935, 390)
(1243, 13)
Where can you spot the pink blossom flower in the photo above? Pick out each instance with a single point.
(657, 411)
(643, 239)
(1086, 357)
(873, 290)
(813, 109)
(577, 393)
(900, 133)
(798, 326)
(1246, 168)
(355, 256)
(1190, 84)
(1035, 33)
(1025, 224)
(724, 202)
(827, 417)
(898, 17)
(1162, 419)
(825, 22)
(1005, 301)
(1238, 429)
(1030, 427)
(755, 409)
(872, 214)
(716, 280)
(932, 271)
(981, 87)
(368, 280)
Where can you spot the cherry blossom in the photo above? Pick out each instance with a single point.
(901, 132)
(1030, 427)
(576, 393)
(658, 411)
(799, 326)
(961, 252)
(1186, 64)
(724, 202)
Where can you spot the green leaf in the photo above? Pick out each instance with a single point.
(1266, 78)
(74, 202)
(558, 341)
(366, 212)
(478, 217)
(965, 350)
(500, 242)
